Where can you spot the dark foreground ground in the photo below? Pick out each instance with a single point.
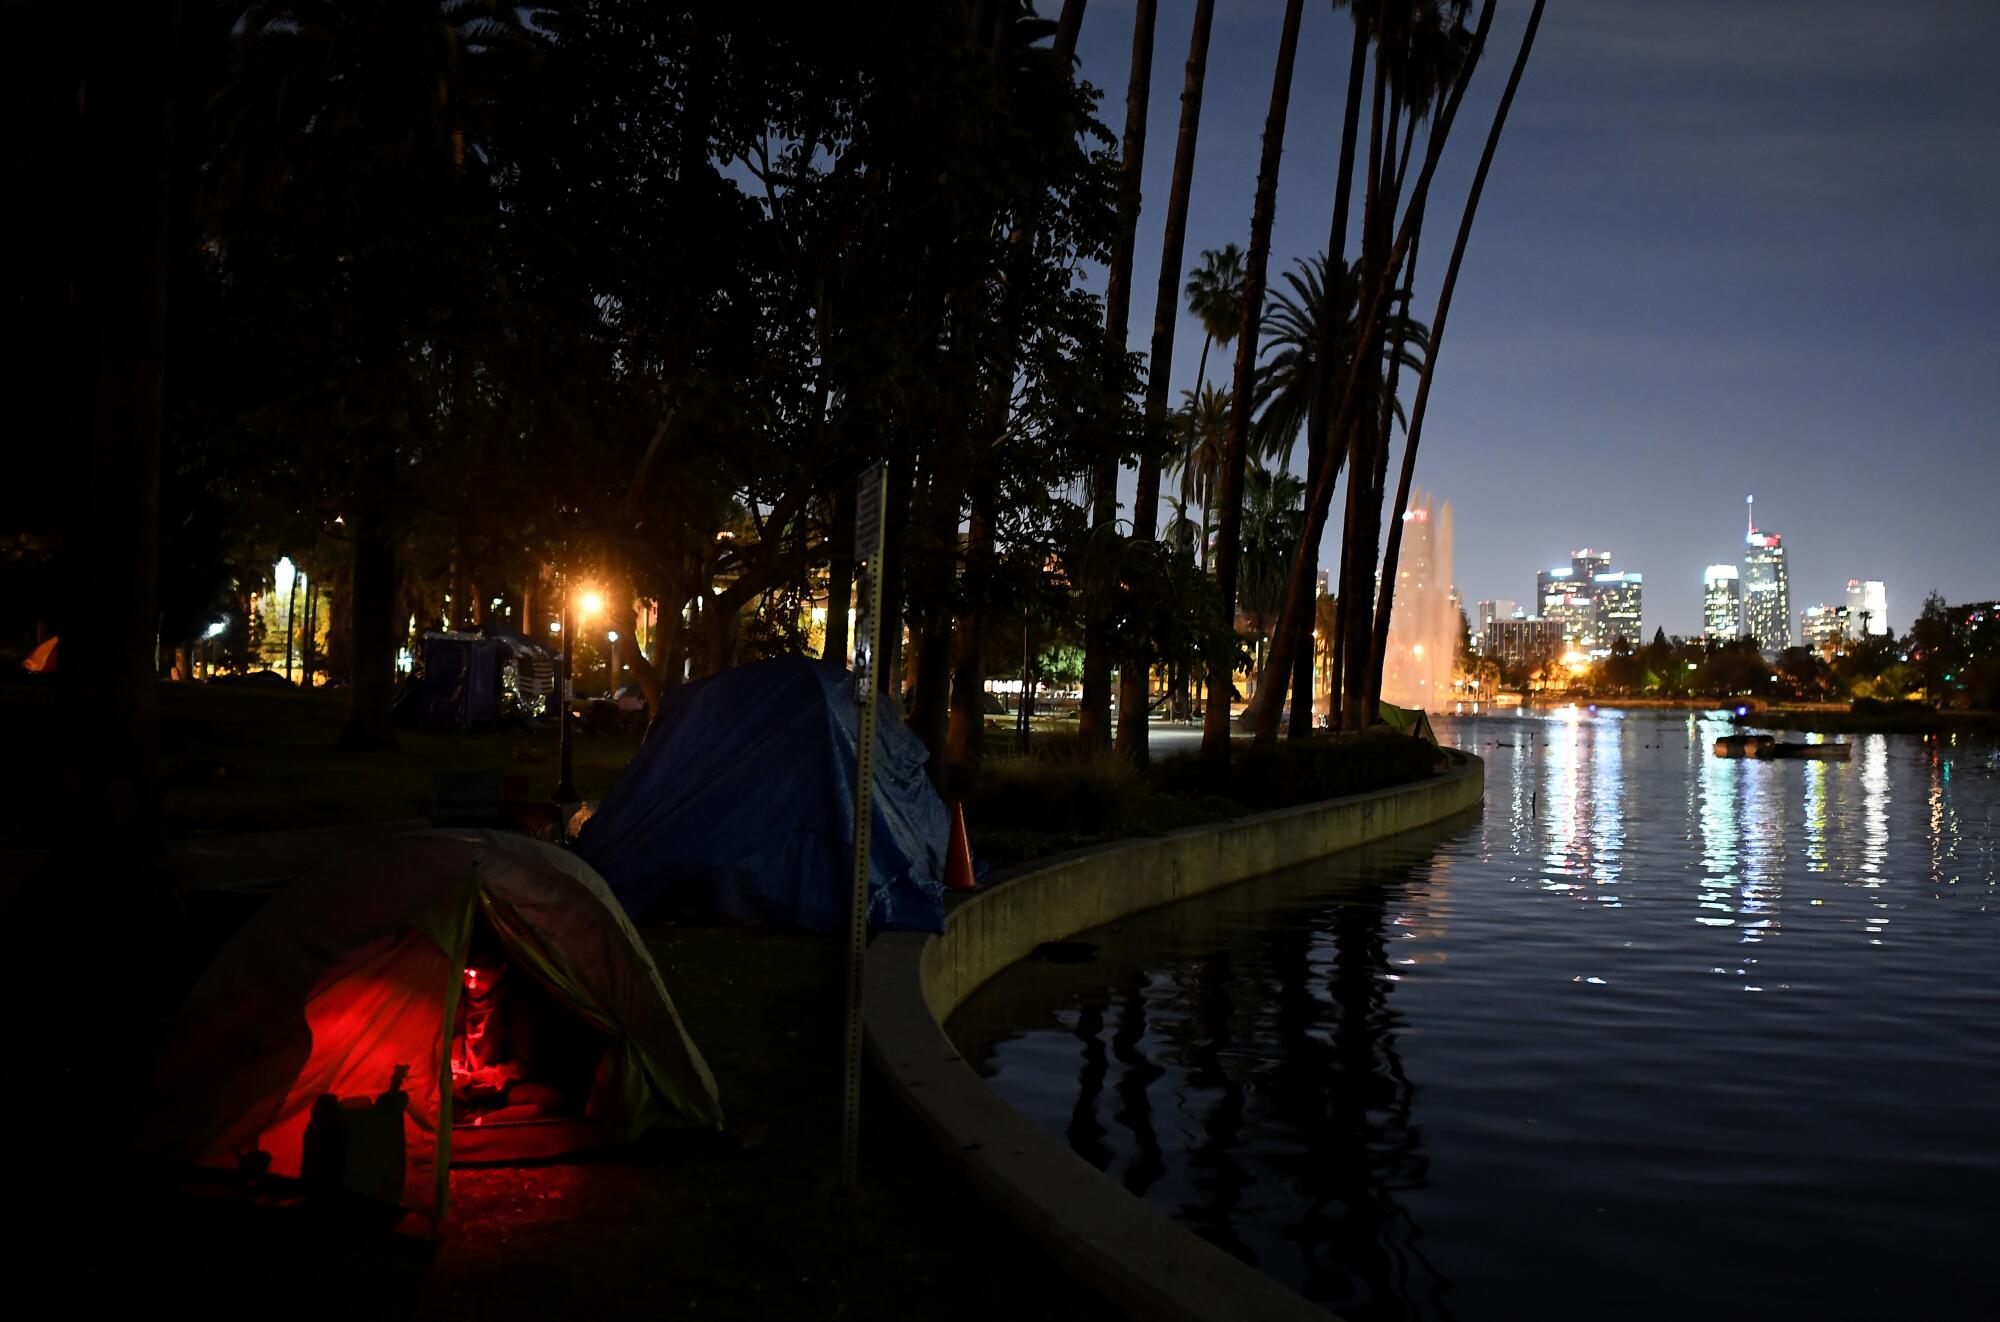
(748, 1224)
(744, 1225)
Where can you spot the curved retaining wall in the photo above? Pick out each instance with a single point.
(1133, 1256)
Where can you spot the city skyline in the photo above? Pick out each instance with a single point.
(1814, 274)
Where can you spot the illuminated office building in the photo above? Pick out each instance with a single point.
(1767, 591)
(1616, 609)
(1721, 604)
(1569, 596)
(1867, 607)
(1561, 597)
(1525, 643)
(1500, 608)
(1825, 628)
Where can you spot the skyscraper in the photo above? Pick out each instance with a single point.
(1501, 608)
(1721, 604)
(1616, 609)
(1562, 597)
(1569, 595)
(1767, 591)
(1824, 628)
(1867, 607)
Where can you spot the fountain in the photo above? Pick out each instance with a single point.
(1422, 654)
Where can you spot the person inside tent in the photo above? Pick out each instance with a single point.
(517, 1053)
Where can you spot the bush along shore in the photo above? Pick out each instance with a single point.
(1055, 798)
(1871, 717)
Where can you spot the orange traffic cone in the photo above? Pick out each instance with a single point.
(958, 855)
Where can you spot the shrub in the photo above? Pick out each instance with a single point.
(1296, 771)
(1054, 791)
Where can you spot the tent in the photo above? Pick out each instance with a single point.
(741, 802)
(1407, 720)
(473, 679)
(437, 996)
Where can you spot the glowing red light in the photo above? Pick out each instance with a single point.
(471, 976)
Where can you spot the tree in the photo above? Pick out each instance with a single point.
(1093, 726)
(1202, 425)
(1354, 422)
(1317, 312)
(1214, 294)
(1134, 689)
(1416, 429)
(1271, 515)
(108, 664)
(349, 159)
(1216, 719)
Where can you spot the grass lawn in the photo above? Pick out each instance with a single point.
(252, 759)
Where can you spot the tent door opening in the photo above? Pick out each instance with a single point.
(525, 1068)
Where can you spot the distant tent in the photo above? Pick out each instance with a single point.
(741, 802)
(1407, 720)
(42, 661)
(437, 996)
(473, 679)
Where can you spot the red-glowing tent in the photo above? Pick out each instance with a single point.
(438, 996)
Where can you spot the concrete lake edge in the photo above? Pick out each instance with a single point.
(1133, 1257)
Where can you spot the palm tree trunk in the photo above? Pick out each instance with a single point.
(1361, 534)
(965, 731)
(1067, 26)
(1216, 720)
(1094, 715)
(1416, 428)
(931, 708)
(1299, 591)
(1302, 669)
(1134, 692)
(895, 572)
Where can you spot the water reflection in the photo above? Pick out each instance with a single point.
(1266, 1055)
(1542, 1060)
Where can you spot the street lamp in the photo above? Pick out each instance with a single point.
(589, 604)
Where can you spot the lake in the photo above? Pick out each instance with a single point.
(1654, 1033)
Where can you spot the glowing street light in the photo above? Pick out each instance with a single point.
(582, 604)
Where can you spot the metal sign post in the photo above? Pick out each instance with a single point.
(871, 518)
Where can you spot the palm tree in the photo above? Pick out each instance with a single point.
(1214, 294)
(1202, 423)
(1317, 312)
(1383, 262)
(1093, 726)
(1132, 686)
(1215, 721)
(1272, 512)
(1373, 681)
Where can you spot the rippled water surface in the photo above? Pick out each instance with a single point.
(1652, 1032)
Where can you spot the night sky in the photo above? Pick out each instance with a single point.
(1728, 247)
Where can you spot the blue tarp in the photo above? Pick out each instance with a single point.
(741, 802)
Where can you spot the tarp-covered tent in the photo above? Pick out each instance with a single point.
(1407, 720)
(355, 1031)
(741, 802)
